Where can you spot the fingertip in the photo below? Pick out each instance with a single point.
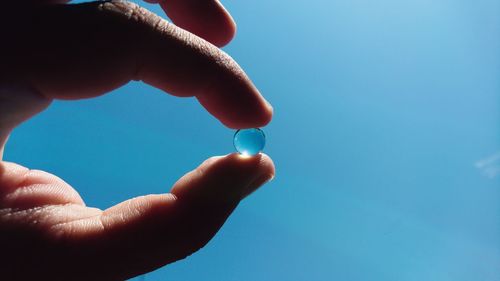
(237, 106)
(257, 120)
(227, 178)
(261, 162)
(256, 164)
(268, 163)
(226, 34)
(267, 114)
(265, 174)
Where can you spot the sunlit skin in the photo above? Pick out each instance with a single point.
(54, 50)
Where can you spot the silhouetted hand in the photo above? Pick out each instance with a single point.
(57, 51)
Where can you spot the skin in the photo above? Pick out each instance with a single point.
(53, 50)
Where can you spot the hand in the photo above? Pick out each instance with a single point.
(59, 51)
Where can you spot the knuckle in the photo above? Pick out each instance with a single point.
(133, 12)
(117, 6)
(125, 8)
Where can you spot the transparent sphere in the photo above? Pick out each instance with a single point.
(249, 141)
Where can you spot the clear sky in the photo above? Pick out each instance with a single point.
(386, 140)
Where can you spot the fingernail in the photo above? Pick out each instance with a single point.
(255, 184)
(4, 137)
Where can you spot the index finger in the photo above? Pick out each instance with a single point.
(85, 50)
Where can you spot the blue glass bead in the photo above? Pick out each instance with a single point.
(249, 142)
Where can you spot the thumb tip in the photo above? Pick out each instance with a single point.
(227, 177)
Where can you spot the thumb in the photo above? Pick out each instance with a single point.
(17, 104)
(147, 232)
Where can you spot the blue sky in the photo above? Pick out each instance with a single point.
(386, 140)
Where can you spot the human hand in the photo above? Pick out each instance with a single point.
(58, 51)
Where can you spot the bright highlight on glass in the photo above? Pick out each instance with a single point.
(249, 142)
